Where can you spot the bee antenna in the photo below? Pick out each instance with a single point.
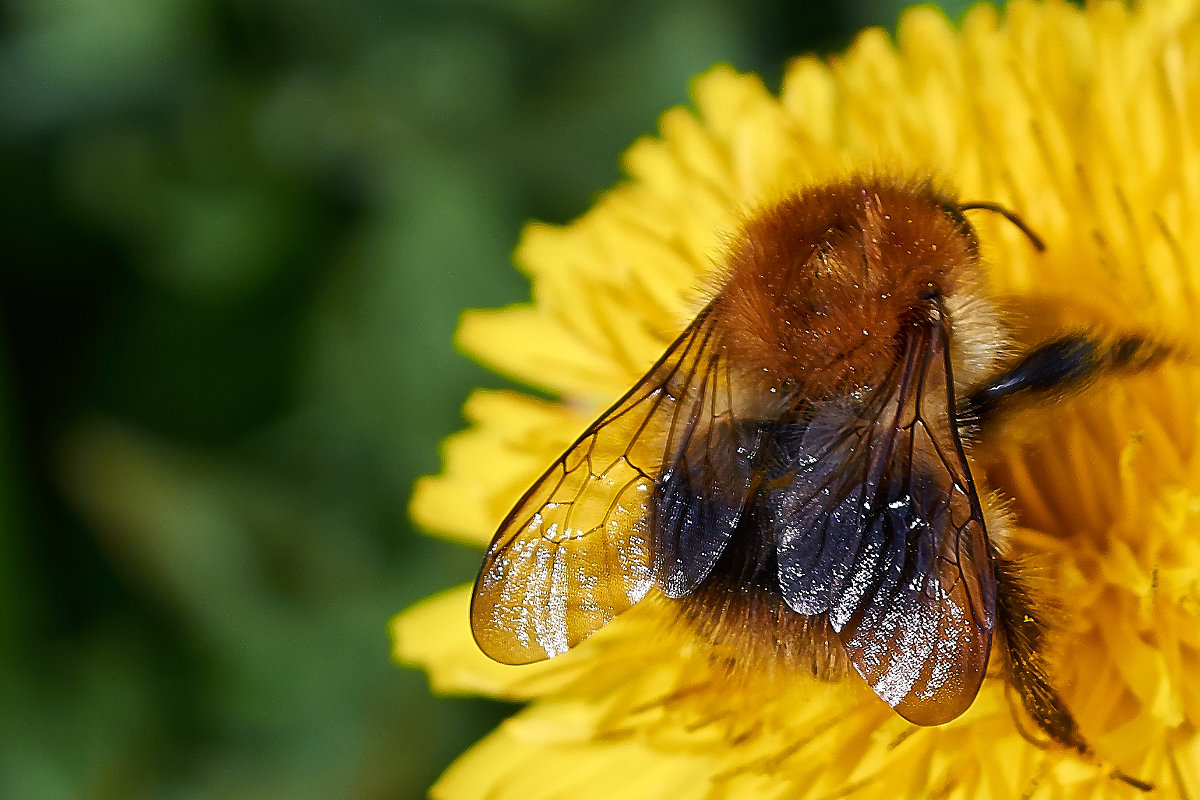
(1009, 215)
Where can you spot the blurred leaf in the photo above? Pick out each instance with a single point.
(73, 58)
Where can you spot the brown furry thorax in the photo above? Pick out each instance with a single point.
(819, 286)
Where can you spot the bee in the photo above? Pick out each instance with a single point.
(793, 472)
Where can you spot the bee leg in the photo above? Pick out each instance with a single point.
(1063, 364)
(1021, 620)
(1024, 628)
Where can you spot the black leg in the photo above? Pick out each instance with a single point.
(1060, 365)
(1022, 622)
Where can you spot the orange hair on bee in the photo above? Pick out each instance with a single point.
(819, 286)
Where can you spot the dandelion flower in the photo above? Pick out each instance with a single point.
(1086, 121)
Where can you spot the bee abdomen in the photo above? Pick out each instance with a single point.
(740, 610)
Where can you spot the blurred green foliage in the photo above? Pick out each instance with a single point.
(237, 234)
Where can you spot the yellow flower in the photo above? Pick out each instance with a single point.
(1084, 121)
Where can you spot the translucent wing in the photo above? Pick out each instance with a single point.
(882, 530)
(648, 494)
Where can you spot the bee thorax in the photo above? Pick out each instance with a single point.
(820, 286)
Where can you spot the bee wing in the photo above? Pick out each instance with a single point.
(883, 531)
(649, 493)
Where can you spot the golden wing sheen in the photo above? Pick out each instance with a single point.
(593, 534)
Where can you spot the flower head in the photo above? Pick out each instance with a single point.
(1087, 122)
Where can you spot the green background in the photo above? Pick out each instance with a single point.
(236, 238)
